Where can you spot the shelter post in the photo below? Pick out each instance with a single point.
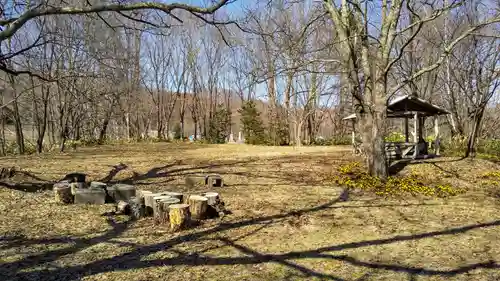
(436, 133)
(407, 137)
(415, 134)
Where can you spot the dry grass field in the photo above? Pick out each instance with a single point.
(288, 221)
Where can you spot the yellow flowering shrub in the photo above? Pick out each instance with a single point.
(351, 176)
(491, 179)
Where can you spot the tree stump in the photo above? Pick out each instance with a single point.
(62, 192)
(136, 207)
(163, 208)
(179, 216)
(148, 203)
(123, 208)
(157, 212)
(198, 206)
(142, 194)
(215, 205)
(212, 197)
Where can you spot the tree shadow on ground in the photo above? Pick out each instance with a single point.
(77, 244)
(30, 183)
(170, 171)
(135, 258)
(397, 166)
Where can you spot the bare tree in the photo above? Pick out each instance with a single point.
(369, 59)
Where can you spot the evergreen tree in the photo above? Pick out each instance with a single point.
(253, 128)
(219, 125)
(177, 131)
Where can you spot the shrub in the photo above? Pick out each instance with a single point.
(253, 127)
(455, 146)
(177, 132)
(489, 147)
(485, 148)
(395, 137)
(219, 125)
(351, 176)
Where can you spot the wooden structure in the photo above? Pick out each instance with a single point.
(408, 107)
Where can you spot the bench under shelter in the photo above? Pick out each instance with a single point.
(408, 107)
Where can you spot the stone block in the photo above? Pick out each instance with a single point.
(214, 181)
(121, 192)
(90, 196)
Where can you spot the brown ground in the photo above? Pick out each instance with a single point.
(288, 222)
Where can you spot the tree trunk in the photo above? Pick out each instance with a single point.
(2, 132)
(471, 144)
(373, 143)
(102, 132)
(18, 127)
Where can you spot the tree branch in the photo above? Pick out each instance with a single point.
(14, 24)
(446, 52)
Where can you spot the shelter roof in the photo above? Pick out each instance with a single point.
(406, 106)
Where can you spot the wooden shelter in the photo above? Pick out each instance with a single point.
(408, 107)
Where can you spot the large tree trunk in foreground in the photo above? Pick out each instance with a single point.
(471, 144)
(372, 128)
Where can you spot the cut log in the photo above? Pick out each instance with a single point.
(121, 192)
(123, 208)
(157, 211)
(148, 204)
(163, 208)
(212, 181)
(198, 206)
(141, 194)
(136, 208)
(213, 197)
(62, 192)
(178, 216)
(90, 196)
(215, 205)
